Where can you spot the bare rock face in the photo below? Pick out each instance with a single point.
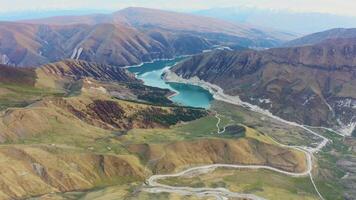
(312, 85)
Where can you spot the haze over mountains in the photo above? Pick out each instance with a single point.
(300, 23)
(295, 22)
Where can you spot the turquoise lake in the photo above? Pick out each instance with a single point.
(187, 95)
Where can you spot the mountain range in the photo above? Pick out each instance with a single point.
(127, 37)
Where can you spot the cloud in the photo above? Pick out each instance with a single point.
(343, 7)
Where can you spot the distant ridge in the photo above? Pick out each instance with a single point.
(321, 36)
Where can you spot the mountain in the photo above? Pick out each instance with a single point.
(311, 85)
(321, 36)
(126, 37)
(114, 44)
(145, 18)
(294, 22)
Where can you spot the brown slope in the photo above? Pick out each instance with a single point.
(10, 75)
(115, 44)
(18, 44)
(32, 45)
(176, 155)
(312, 85)
(29, 171)
(119, 45)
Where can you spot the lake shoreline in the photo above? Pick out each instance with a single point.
(182, 94)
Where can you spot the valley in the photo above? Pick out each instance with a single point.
(99, 132)
(87, 124)
(143, 103)
(322, 142)
(221, 193)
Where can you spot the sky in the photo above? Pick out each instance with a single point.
(339, 7)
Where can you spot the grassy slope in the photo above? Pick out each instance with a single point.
(14, 95)
(40, 136)
(90, 139)
(328, 175)
(263, 183)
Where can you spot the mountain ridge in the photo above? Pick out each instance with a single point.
(321, 36)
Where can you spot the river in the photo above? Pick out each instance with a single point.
(186, 94)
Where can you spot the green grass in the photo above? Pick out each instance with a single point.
(21, 96)
(328, 180)
(198, 129)
(89, 138)
(73, 132)
(204, 127)
(281, 132)
(28, 90)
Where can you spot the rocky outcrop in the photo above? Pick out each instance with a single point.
(77, 69)
(311, 85)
